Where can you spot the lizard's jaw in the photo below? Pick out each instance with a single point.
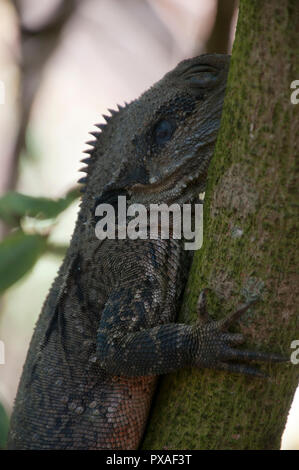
(177, 187)
(182, 182)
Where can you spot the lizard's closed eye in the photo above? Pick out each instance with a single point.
(200, 75)
(203, 79)
(163, 131)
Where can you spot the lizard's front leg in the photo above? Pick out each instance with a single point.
(133, 346)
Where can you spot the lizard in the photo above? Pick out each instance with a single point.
(108, 327)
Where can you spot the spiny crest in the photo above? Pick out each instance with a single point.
(94, 143)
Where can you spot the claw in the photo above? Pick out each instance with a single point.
(228, 321)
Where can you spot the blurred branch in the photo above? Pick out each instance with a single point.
(37, 45)
(219, 40)
(57, 250)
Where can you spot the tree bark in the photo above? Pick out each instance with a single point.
(249, 247)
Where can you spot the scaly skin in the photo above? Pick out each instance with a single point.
(107, 329)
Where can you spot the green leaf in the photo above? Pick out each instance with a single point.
(4, 425)
(18, 254)
(14, 205)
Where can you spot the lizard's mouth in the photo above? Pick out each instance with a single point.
(174, 188)
(182, 175)
(165, 183)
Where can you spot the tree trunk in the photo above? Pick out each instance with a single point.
(249, 247)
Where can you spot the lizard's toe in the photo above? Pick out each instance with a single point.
(235, 338)
(241, 369)
(225, 323)
(245, 355)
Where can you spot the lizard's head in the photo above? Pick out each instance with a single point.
(160, 145)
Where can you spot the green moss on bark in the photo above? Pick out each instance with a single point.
(249, 246)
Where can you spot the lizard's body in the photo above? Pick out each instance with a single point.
(107, 329)
(69, 392)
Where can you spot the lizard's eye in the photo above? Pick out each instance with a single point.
(163, 131)
(201, 76)
(203, 79)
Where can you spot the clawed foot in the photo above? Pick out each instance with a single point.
(216, 343)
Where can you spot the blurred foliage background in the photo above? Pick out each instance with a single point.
(62, 64)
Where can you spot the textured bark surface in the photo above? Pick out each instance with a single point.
(249, 246)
